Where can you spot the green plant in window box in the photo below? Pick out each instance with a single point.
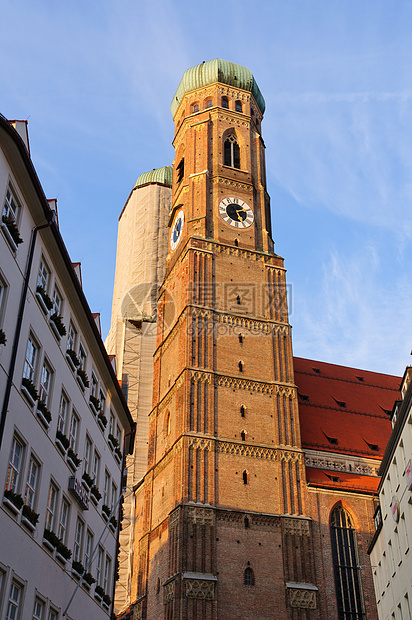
(113, 521)
(30, 515)
(114, 441)
(42, 407)
(103, 419)
(83, 376)
(106, 599)
(58, 321)
(15, 498)
(118, 452)
(73, 356)
(47, 301)
(63, 439)
(95, 491)
(95, 402)
(13, 230)
(73, 456)
(89, 579)
(88, 479)
(51, 537)
(106, 510)
(78, 567)
(99, 591)
(3, 338)
(30, 387)
(64, 551)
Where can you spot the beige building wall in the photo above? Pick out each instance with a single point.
(140, 265)
(390, 550)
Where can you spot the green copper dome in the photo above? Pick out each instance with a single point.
(157, 175)
(217, 70)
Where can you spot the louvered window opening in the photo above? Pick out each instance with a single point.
(345, 566)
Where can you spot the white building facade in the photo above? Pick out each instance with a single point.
(390, 550)
(64, 426)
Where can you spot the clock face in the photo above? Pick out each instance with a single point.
(177, 230)
(236, 212)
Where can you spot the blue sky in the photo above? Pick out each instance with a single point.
(95, 80)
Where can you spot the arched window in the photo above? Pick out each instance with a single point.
(209, 103)
(247, 522)
(249, 578)
(243, 436)
(345, 566)
(244, 477)
(231, 152)
(225, 102)
(167, 423)
(195, 107)
(240, 366)
(238, 106)
(240, 338)
(242, 411)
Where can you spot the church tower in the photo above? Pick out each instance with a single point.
(221, 531)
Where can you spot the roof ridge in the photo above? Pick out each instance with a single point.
(364, 383)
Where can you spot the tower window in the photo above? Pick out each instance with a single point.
(238, 106)
(238, 300)
(246, 522)
(249, 578)
(195, 107)
(240, 338)
(181, 170)
(209, 103)
(243, 436)
(244, 477)
(225, 102)
(231, 152)
(345, 566)
(242, 411)
(241, 366)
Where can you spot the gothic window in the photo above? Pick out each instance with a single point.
(247, 522)
(225, 102)
(243, 436)
(240, 338)
(195, 107)
(240, 366)
(209, 103)
(180, 170)
(249, 578)
(242, 411)
(245, 476)
(231, 152)
(238, 106)
(345, 566)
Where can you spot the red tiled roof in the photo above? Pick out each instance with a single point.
(345, 482)
(346, 405)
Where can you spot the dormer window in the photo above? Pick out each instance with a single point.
(231, 152)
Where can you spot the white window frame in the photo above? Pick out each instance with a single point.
(15, 466)
(94, 385)
(15, 586)
(11, 206)
(30, 360)
(33, 475)
(74, 430)
(57, 301)
(63, 411)
(107, 569)
(78, 541)
(96, 466)
(63, 519)
(88, 548)
(71, 337)
(45, 382)
(100, 554)
(51, 506)
(38, 602)
(88, 449)
(43, 275)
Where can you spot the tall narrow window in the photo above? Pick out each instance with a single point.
(61, 422)
(87, 455)
(242, 411)
(30, 360)
(225, 102)
(209, 103)
(88, 548)
(15, 461)
(51, 507)
(38, 611)
(64, 519)
(57, 301)
(82, 357)
(243, 436)
(96, 468)
(78, 541)
(106, 581)
(74, 426)
(11, 207)
(14, 601)
(43, 276)
(249, 578)
(106, 493)
(31, 484)
(99, 565)
(93, 387)
(238, 106)
(231, 152)
(240, 366)
(180, 170)
(345, 566)
(45, 382)
(244, 477)
(71, 338)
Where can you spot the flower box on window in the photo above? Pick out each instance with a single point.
(28, 389)
(87, 481)
(29, 518)
(99, 593)
(63, 553)
(77, 569)
(113, 524)
(82, 379)
(62, 442)
(88, 580)
(3, 338)
(44, 300)
(112, 441)
(95, 405)
(118, 454)
(102, 421)
(107, 601)
(13, 501)
(56, 323)
(72, 358)
(72, 459)
(95, 495)
(11, 232)
(43, 414)
(50, 539)
(106, 512)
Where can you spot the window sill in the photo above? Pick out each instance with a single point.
(27, 395)
(9, 238)
(11, 506)
(28, 524)
(42, 419)
(61, 558)
(55, 330)
(41, 303)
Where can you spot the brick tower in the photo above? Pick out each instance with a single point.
(221, 531)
